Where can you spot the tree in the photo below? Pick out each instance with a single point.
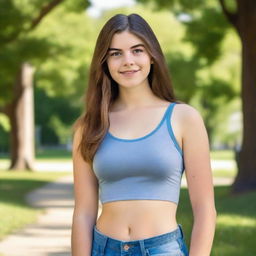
(206, 30)
(18, 45)
(243, 20)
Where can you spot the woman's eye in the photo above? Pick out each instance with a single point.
(138, 50)
(115, 54)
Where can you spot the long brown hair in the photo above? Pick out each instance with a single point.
(102, 90)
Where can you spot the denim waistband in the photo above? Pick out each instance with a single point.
(115, 244)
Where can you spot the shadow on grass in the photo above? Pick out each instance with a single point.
(59, 253)
(13, 190)
(236, 222)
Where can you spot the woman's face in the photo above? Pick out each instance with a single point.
(128, 61)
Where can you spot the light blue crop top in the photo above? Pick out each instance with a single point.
(149, 167)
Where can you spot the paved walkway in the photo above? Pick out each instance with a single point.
(51, 235)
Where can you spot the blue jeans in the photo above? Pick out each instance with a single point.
(168, 244)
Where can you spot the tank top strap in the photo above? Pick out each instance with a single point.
(169, 126)
(169, 111)
(166, 115)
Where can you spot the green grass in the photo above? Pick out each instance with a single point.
(224, 173)
(236, 222)
(14, 211)
(53, 154)
(222, 155)
(48, 155)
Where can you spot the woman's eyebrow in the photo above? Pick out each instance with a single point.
(134, 46)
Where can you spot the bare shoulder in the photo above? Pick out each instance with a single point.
(187, 112)
(188, 115)
(193, 132)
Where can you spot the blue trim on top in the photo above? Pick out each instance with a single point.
(171, 130)
(144, 137)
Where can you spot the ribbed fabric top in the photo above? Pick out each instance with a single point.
(148, 168)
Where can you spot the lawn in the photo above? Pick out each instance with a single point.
(14, 211)
(236, 222)
(47, 155)
(222, 155)
(53, 154)
(224, 173)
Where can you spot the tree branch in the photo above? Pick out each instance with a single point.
(232, 17)
(44, 11)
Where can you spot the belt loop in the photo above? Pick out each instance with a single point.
(181, 231)
(142, 247)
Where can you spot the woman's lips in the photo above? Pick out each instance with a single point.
(128, 72)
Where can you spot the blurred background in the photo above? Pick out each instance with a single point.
(45, 53)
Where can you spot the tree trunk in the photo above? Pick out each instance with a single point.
(246, 158)
(21, 116)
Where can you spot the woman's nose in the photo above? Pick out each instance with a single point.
(128, 59)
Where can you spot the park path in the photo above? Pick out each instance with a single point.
(50, 235)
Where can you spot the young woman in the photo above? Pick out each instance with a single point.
(132, 146)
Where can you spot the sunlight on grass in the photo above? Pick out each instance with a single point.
(236, 220)
(15, 216)
(224, 173)
(222, 155)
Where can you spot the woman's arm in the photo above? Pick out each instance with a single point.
(86, 203)
(199, 179)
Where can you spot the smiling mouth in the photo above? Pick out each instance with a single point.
(129, 72)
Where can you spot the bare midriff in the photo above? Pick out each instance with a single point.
(130, 220)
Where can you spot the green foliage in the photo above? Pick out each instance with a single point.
(62, 130)
(206, 25)
(65, 73)
(20, 43)
(76, 6)
(178, 6)
(12, 21)
(4, 145)
(4, 131)
(206, 32)
(59, 48)
(231, 5)
(183, 70)
(4, 122)
(54, 117)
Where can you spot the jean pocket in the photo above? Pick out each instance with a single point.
(168, 249)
